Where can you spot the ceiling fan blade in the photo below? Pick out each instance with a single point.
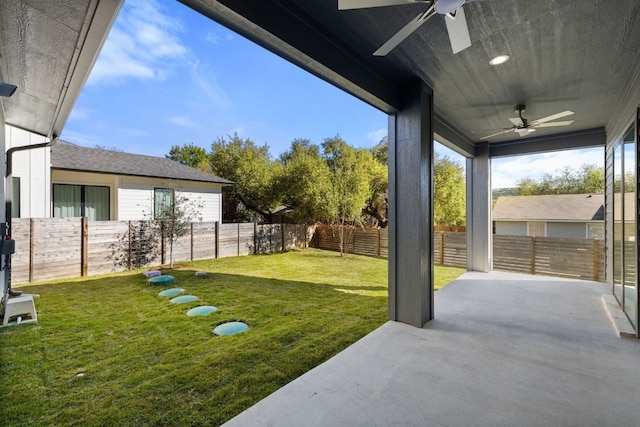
(524, 131)
(458, 30)
(363, 4)
(552, 117)
(517, 121)
(496, 134)
(404, 33)
(553, 124)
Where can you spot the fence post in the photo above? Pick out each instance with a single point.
(532, 250)
(129, 245)
(31, 242)
(217, 240)
(255, 238)
(596, 260)
(282, 233)
(442, 248)
(192, 241)
(378, 248)
(238, 239)
(84, 246)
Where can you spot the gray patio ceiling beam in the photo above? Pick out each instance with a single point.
(596, 137)
(284, 29)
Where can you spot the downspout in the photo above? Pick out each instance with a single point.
(6, 235)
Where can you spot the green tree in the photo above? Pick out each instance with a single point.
(567, 180)
(174, 215)
(378, 171)
(350, 183)
(254, 172)
(449, 192)
(305, 181)
(380, 151)
(190, 155)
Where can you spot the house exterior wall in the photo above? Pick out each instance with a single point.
(33, 169)
(135, 197)
(577, 230)
(86, 178)
(511, 228)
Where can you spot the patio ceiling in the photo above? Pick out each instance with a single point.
(47, 50)
(577, 55)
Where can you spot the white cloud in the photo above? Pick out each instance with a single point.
(506, 171)
(79, 113)
(135, 132)
(182, 121)
(79, 138)
(376, 135)
(209, 85)
(215, 38)
(143, 44)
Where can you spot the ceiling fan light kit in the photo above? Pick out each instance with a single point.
(500, 59)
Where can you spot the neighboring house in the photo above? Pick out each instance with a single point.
(67, 180)
(561, 215)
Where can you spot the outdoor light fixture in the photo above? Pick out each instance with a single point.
(500, 59)
(7, 89)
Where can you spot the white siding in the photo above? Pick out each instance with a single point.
(135, 197)
(33, 169)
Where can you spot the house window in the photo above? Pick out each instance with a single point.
(596, 232)
(162, 202)
(15, 198)
(72, 201)
(537, 228)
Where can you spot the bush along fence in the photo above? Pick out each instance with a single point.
(57, 248)
(571, 258)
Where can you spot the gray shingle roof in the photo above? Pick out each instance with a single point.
(67, 156)
(567, 207)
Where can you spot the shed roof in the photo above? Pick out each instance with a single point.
(68, 156)
(559, 207)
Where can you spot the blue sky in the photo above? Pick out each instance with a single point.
(169, 76)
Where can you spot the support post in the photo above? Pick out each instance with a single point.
(479, 229)
(411, 207)
(442, 248)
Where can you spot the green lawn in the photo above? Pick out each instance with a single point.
(109, 351)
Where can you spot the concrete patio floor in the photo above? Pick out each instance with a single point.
(504, 350)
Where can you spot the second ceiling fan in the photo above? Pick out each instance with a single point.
(452, 12)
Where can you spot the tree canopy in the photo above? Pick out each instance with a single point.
(588, 178)
(449, 192)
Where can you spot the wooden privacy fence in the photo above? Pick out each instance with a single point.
(550, 256)
(571, 258)
(57, 248)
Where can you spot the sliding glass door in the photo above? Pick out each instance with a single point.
(70, 201)
(625, 252)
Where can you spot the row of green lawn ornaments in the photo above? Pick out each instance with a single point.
(156, 277)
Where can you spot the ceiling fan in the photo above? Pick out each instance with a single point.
(451, 10)
(524, 127)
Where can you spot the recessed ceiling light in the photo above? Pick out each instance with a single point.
(500, 59)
